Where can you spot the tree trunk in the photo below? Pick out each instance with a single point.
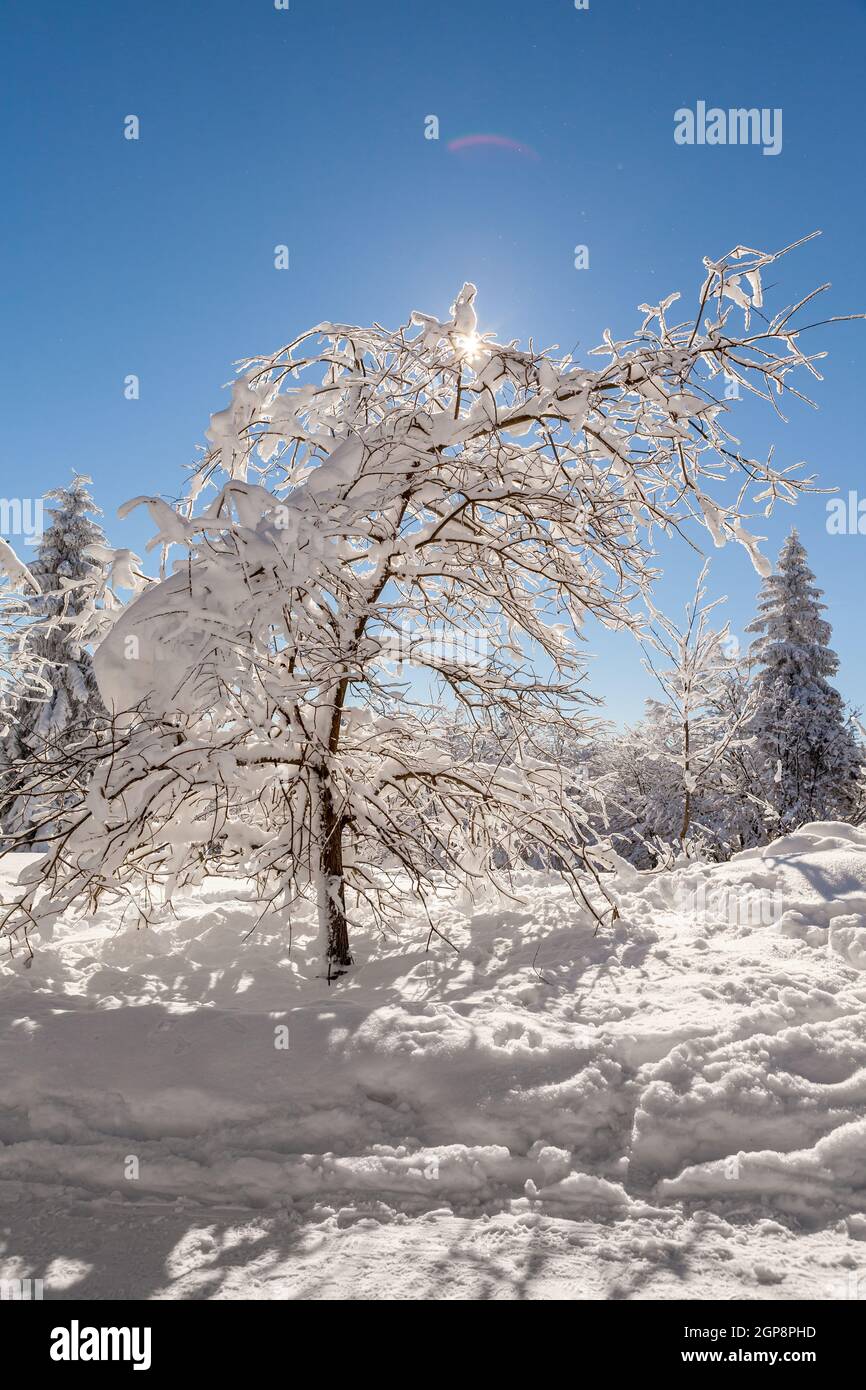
(687, 800)
(331, 887)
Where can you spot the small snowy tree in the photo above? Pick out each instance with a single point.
(51, 697)
(372, 488)
(738, 808)
(634, 786)
(810, 757)
(697, 724)
(628, 790)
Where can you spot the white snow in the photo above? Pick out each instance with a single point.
(674, 1107)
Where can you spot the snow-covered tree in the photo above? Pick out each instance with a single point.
(634, 793)
(736, 806)
(364, 484)
(810, 757)
(697, 724)
(624, 781)
(51, 698)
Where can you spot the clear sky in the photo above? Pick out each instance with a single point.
(306, 127)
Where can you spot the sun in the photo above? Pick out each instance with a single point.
(469, 345)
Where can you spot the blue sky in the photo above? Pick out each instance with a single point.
(306, 127)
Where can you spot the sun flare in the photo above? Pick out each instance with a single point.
(469, 345)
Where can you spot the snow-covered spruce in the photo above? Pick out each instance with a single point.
(369, 489)
(52, 700)
(811, 759)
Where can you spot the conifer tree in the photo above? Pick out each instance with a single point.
(808, 751)
(54, 694)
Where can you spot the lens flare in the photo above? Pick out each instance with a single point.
(496, 142)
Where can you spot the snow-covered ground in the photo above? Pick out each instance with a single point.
(674, 1107)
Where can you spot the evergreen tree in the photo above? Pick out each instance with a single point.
(55, 694)
(809, 755)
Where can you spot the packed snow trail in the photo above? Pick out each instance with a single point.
(672, 1107)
